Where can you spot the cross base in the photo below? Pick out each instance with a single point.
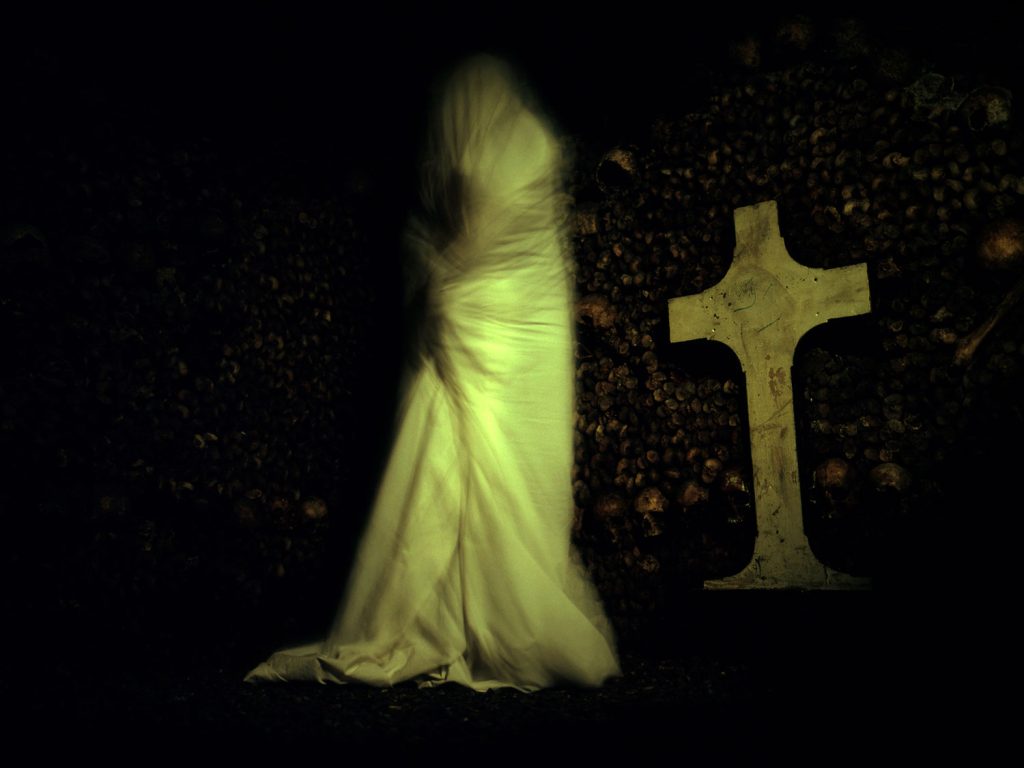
(817, 578)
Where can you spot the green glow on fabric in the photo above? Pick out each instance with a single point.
(466, 572)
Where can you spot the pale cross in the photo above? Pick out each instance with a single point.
(760, 309)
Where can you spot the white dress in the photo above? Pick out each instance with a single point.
(466, 572)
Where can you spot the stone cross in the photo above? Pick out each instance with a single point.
(761, 308)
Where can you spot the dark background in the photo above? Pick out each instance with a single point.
(304, 104)
(321, 78)
(303, 71)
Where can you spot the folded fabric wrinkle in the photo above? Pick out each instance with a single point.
(466, 571)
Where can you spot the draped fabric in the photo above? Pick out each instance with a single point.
(466, 571)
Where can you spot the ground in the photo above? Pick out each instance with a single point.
(816, 675)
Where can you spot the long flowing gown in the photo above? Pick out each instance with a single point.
(466, 571)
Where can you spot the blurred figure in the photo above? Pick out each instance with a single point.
(466, 572)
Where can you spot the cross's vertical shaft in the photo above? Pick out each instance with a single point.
(761, 308)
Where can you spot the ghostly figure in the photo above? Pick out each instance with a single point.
(466, 571)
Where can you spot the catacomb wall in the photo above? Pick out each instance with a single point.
(908, 174)
(202, 348)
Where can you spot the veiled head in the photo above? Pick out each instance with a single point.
(485, 142)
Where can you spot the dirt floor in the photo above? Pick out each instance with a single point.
(826, 677)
